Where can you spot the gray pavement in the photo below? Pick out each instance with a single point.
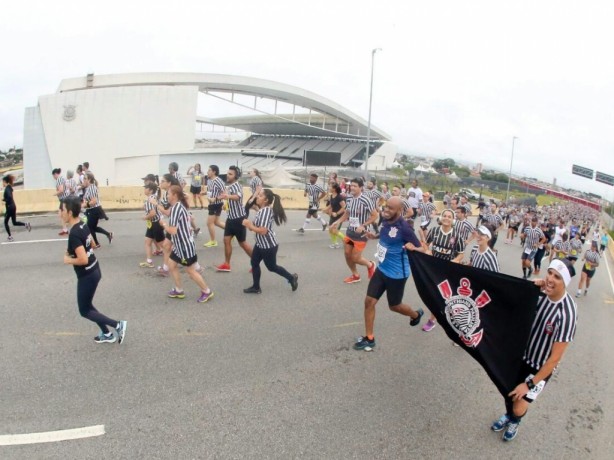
(270, 375)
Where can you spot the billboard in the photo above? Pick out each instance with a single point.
(582, 171)
(320, 158)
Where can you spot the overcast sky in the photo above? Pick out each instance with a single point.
(454, 78)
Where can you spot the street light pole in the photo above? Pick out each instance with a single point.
(369, 121)
(509, 177)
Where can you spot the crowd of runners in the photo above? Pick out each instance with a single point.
(400, 219)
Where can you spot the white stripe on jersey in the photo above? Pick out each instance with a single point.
(554, 322)
(359, 210)
(215, 188)
(486, 260)
(465, 229)
(313, 193)
(91, 192)
(533, 235)
(264, 218)
(255, 183)
(445, 245)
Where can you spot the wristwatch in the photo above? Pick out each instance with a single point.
(530, 384)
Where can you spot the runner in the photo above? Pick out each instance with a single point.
(61, 193)
(463, 226)
(93, 212)
(270, 209)
(604, 242)
(562, 249)
(575, 248)
(553, 329)
(11, 207)
(426, 211)
(236, 213)
(335, 209)
(513, 222)
(183, 251)
(377, 198)
(591, 262)
(81, 256)
(164, 207)
(154, 233)
(533, 237)
(496, 221)
(255, 185)
(196, 185)
(315, 194)
(482, 255)
(392, 272)
(215, 187)
(541, 249)
(173, 168)
(360, 213)
(443, 242)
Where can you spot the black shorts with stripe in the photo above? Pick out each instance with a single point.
(215, 209)
(155, 232)
(184, 262)
(394, 288)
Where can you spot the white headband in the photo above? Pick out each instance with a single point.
(484, 231)
(560, 267)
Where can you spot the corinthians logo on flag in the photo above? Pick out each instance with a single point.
(463, 312)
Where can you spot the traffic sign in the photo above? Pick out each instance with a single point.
(604, 178)
(582, 171)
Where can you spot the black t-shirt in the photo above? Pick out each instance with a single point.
(335, 203)
(8, 196)
(80, 236)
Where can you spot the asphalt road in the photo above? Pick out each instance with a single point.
(270, 375)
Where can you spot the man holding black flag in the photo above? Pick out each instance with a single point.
(518, 339)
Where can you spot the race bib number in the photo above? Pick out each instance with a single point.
(197, 178)
(574, 252)
(149, 224)
(380, 255)
(423, 219)
(587, 266)
(528, 251)
(354, 223)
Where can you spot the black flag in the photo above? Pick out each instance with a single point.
(489, 314)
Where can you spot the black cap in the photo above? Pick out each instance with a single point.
(150, 177)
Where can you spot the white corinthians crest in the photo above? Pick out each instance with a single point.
(70, 112)
(462, 311)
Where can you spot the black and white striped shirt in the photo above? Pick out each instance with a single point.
(313, 194)
(215, 188)
(151, 204)
(562, 249)
(374, 195)
(532, 237)
(164, 199)
(183, 242)
(495, 220)
(91, 192)
(576, 247)
(179, 178)
(445, 245)
(465, 229)
(486, 260)
(554, 322)
(264, 218)
(60, 181)
(236, 210)
(359, 210)
(255, 183)
(591, 256)
(70, 186)
(425, 210)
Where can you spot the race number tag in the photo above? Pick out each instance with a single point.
(423, 219)
(587, 266)
(354, 223)
(528, 251)
(381, 253)
(149, 224)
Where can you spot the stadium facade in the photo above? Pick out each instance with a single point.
(127, 125)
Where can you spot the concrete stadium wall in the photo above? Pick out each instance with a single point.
(109, 123)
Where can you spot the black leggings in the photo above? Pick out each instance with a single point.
(93, 216)
(539, 255)
(11, 214)
(86, 288)
(270, 260)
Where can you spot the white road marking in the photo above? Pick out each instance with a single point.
(607, 265)
(310, 229)
(355, 323)
(35, 241)
(51, 436)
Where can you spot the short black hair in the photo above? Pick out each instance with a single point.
(215, 169)
(358, 181)
(72, 204)
(236, 170)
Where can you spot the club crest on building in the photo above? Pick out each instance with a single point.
(70, 112)
(462, 311)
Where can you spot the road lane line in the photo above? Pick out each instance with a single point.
(355, 323)
(35, 241)
(51, 436)
(607, 265)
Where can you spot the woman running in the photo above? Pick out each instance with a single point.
(164, 207)
(513, 222)
(255, 185)
(11, 207)
(196, 186)
(482, 255)
(154, 233)
(575, 248)
(94, 212)
(591, 262)
(61, 193)
(81, 256)
(443, 242)
(183, 250)
(266, 246)
(335, 209)
(541, 250)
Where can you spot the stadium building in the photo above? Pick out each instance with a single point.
(127, 125)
